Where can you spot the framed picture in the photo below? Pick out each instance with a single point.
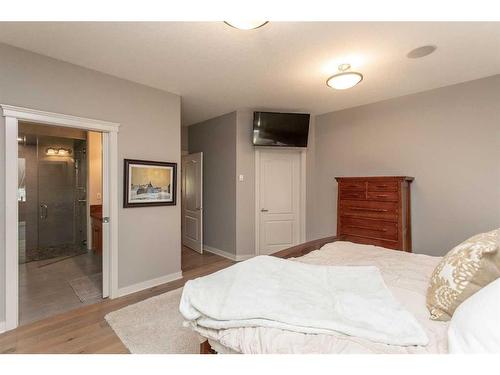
(149, 183)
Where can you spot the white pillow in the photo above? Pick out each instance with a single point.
(475, 325)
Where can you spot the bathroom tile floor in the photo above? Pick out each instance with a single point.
(44, 288)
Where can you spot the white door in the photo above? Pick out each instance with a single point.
(192, 201)
(279, 200)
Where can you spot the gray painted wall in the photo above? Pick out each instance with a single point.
(448, 139)
(149, 238)
(216, 138)
(2, 217)
(245, 190)
(184, 139)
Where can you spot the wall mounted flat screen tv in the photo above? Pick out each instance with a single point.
(280, 129)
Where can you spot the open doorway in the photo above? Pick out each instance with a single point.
(59, 209)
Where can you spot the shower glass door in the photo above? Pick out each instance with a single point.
(56, 197)
(52, 204)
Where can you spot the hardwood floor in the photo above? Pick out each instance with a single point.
(84, 330)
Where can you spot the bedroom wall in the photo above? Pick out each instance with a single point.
(245, 190)
(216, 138)
(448, 139)
(149, 238)
(184, 140)
(2, 220)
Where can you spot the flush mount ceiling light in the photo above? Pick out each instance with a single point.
(345, 79)
(420, 52)
(246, 25)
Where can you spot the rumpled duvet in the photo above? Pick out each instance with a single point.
(268, 292)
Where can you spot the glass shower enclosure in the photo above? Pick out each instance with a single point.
(52, 189)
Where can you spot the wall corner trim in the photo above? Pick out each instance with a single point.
(149, 284)
(227, 255)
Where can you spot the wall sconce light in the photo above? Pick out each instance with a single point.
(52, 151)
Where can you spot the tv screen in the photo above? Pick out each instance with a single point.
(280, 129)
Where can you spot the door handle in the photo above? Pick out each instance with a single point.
(44, 211)
(198, 208)
(263, 210)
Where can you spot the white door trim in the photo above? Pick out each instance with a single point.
(12, 116)
(302, 209)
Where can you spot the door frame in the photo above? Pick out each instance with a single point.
(12, 115)
(302, 194)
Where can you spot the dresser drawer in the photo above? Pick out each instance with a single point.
(352, 185)
(383, 185)
(385, 196)
(369, 209)
(369, 228)
(352, 194)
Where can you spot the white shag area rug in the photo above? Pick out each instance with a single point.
(154, 326)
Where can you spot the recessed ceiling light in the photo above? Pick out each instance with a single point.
(246, 25)
(421, 52)
(345, 79)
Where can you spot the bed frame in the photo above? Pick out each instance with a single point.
(291, 252)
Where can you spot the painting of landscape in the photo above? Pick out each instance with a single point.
(150, 184)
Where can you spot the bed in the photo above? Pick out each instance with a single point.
(405, 274)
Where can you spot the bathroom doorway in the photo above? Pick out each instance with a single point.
(59, 195)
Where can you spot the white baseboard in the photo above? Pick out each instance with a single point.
(2, 327)
(149, 284)
(225, 254)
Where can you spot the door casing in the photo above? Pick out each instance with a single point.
(12, 115)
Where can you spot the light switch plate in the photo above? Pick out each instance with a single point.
(241, 177)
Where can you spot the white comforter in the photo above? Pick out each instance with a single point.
(277, 293)
(405, 274)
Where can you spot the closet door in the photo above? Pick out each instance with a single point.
(279, 200)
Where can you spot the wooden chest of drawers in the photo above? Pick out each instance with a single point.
(375, 211)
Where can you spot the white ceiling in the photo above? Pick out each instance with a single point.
(282, 66)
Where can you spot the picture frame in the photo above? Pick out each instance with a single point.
(149, 183)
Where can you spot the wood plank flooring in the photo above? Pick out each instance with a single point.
(84, 330)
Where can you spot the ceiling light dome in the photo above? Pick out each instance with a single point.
(246, 24)
(345, 79)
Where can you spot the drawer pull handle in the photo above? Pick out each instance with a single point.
(381, 196)
(369, 228)
(369, 209)
(382, 186)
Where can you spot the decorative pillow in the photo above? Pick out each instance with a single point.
(462, 272)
